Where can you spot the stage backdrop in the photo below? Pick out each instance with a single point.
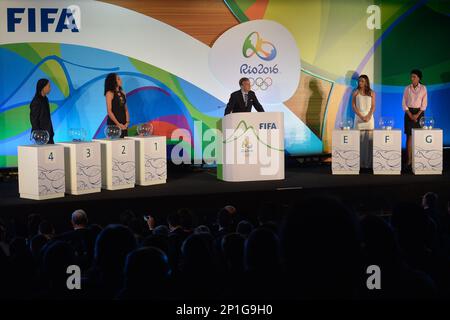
(168, 54)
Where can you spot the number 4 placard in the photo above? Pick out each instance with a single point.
(41, 171)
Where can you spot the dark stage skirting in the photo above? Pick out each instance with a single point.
(200, 190)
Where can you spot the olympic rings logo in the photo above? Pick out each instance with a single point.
(262, 48)
(260, 83)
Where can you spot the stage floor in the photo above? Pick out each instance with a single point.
(201, 184)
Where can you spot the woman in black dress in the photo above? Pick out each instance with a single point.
(40, 109)
(116, 103)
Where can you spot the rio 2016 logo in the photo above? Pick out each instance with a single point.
(263, 51)
(255, 44)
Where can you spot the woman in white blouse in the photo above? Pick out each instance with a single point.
(363, 104)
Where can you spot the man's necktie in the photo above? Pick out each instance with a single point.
(245, 98)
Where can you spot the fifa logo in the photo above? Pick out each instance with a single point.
(45, 19)
(267, 125)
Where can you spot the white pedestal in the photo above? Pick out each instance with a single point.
(345, 152)
(151, 160)
(118, 163)
(427, 151)
(83, 167)
(387, 151)
(41, 171)
(252, 147)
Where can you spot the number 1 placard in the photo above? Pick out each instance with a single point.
(151, 162)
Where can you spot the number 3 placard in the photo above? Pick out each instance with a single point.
(88, 153)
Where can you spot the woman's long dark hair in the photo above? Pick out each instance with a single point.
(39, 86)
(111, 83)
(367, 90)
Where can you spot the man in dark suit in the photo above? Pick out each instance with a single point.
(243, 100)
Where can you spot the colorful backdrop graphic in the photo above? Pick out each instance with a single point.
(333, 39)
(77, 101)
(336, 46)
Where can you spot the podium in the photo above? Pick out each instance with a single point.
(427, 151)
(41, 171)
(345, 151)
(387, 152)
(118, 163)
(251, 147)
(83, 167)
(151, 159)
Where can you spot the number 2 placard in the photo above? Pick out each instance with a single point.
(123, 150)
